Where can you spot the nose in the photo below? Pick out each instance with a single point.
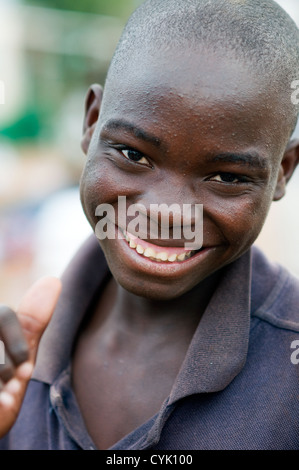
(167, 207)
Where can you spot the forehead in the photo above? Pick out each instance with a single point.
(199, 92)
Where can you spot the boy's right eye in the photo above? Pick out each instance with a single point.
(135, 156)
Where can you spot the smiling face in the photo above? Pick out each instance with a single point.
(187, 130)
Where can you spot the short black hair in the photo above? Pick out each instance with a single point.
(257, 30)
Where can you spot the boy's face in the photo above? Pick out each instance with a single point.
(200, 129)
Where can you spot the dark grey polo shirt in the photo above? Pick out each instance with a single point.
(237, 388)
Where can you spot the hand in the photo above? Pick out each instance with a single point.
(21, 333)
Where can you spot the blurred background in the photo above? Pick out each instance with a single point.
(50, 52)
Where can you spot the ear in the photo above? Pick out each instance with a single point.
(92, 110)
(288, 165)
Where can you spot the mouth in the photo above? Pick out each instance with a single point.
(156, 253)
(166, 263)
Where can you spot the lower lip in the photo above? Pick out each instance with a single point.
(147, 265)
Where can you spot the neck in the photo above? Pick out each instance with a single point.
(139, 313)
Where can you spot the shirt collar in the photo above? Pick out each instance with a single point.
(218, 349)
(81, 282)
(219, 346)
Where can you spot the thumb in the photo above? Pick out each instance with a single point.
(36, 309)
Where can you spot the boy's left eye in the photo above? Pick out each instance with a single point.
(135, 156)
(228, 178)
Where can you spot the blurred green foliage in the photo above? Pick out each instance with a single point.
(26, 127)
(120, 8)
(53, 76)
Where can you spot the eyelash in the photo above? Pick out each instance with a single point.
(232, 176)
(138, 154)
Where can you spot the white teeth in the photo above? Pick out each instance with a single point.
(140, 250)
(184, 256)
(132, 244)
(149, 253)
(161, 256)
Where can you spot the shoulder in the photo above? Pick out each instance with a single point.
(275, 293)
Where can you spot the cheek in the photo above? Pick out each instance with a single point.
(98, 185)
(94, 189)
(241, 220)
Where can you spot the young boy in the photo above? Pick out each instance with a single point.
(154, 345)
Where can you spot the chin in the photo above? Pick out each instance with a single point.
(161, 290)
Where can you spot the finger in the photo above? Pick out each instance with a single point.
(7, 369)
(11, 396)
(34, 314)
(36, 309)
(12, 335)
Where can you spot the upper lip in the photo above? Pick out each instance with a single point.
(166, 243)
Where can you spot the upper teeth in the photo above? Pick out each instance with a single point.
(156, 255)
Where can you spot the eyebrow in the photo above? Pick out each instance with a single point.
(120, 124)
(250, 159)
